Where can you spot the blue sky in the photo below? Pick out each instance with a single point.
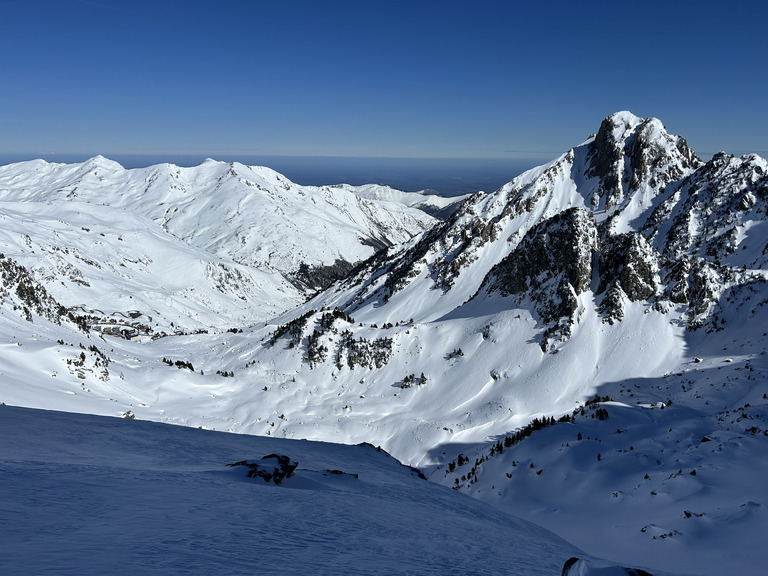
(467, 79)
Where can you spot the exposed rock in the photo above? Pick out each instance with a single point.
(552, 263)
(605, 158)
(657, 157)
(32, 296)
(560, 247)
(716, 201)
(272, 468)
(629, 153)
(612, 306)
(316, 278)
(628, 259)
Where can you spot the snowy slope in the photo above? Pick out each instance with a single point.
(88, 495)
(431, 203)
(671, 466)
(626, 267)
(98, 258)
(250, 215)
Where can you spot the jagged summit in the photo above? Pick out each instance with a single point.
(619, 177)
(633, 160)
(621, 124)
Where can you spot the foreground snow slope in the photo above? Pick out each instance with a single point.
(89, 495)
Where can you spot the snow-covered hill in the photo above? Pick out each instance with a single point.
(244, 221)
(88, 495)
(431, 203)
(626, 268)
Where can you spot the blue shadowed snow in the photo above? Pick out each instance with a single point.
(92, 495)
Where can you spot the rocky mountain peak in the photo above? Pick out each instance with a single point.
(630, 154)
(632, 215)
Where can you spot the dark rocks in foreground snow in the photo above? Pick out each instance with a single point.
(273, 467)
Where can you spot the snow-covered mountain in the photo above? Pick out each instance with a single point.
(426, 201)
(217, 244)
(584, 347)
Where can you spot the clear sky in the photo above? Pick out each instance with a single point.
(473, 79)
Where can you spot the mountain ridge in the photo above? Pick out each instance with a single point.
(240, 225)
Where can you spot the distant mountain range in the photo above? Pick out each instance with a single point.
(217, 236)
(584, 347)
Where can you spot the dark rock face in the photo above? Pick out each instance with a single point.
(320, 277)
(272, 468)
(31, 294)
(650, 161)
(604, 156)
(628, 259)
(558, 248)
(553, 264)
(612, 306)
(625, 155)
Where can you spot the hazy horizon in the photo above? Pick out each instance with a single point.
(447, 176)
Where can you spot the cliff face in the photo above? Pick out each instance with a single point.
(551, 266)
